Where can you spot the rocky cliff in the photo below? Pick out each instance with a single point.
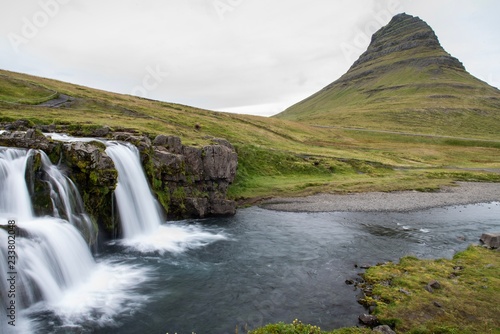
(188, 181)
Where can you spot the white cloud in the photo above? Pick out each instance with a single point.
(254, 56)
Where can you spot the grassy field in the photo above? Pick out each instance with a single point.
(276, 157)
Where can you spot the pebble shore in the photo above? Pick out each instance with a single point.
(400, 201)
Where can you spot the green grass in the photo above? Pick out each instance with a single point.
(297, 327)
(468, 297)
(276, 157)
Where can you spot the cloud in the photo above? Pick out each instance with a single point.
(246, 55)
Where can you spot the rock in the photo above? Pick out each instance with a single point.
(171, 143)
(437, 304)
(492, 240)
(432, 285)
(192, 181)
(219, 162)
(435, 284)
(406, 292)
(368, 320)
(101, 132)
(349, 281)
(95, 175)
(196, 207)
(223, 142)
(222, 207)
(383, 329)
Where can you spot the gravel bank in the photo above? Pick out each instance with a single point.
(400, 201)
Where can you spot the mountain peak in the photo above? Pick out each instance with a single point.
(406, 32)
(404, 80)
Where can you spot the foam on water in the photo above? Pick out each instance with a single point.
(173, 238)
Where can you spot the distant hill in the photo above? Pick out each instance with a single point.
(405, 81)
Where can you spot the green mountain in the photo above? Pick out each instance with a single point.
(405, 81)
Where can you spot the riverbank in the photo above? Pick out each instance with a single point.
(399, 201)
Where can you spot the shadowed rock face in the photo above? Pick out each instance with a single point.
(190, 181)
(406, 32)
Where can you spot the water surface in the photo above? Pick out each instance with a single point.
(276, 266)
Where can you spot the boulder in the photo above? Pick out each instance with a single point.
(368, 320)
(94, 173)
(491, 240)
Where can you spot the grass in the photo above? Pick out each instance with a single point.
(297, 327)
(465, 303)
(276, 157)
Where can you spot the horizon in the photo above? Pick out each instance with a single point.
(243, 68)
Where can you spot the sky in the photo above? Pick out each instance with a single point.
(244, 56)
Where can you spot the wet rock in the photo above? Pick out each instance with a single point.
(368, 320)
(95, 175)
(222, 207)
(491, 240)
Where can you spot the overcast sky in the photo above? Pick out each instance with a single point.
(248, 56)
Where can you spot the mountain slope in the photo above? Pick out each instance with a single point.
(405, 81)
(275, 156)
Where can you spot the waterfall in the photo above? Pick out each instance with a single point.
(53, 269)
(139, 211)
(51, 254)
(66, 200)
(14, 196)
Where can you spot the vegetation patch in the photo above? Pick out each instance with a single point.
(439, 296)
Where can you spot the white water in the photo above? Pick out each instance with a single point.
(54, 268)
(140, 213)
(66, 200)
(14, 196)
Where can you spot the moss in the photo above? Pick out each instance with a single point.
(297, 327)
(470, 287)
(164, 199)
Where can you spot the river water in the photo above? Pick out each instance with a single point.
(277, 266)
(218, 275)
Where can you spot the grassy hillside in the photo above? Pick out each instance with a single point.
(407, 82)
(276, 157)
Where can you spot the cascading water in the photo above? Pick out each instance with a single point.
(52, 262)
(140, 213)
(66, 200)
(14, 196)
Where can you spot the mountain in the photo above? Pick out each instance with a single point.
(405, 81)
